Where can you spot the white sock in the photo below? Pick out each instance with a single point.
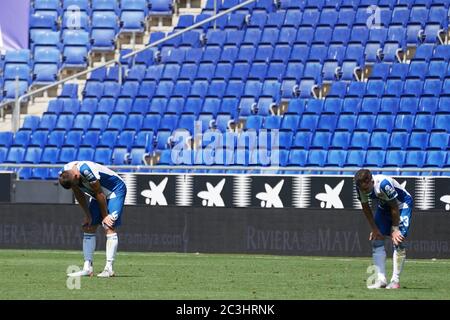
(379, 259)
(112, 242)
(89, 242)
(398, 258)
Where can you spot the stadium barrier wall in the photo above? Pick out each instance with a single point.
(288, 231)
(40, 191)
(243, 191)
(6, 186)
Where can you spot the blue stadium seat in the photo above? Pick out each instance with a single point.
(73, 138)
(321, 140)
(297, 157)
(404, 122)
(366, 122)
(439, 139)
(395, 158)
(346, 122)
(3, 153)
(39, 138)
(108, 138)
(32, 154)
(85, 154)
(379, 140)
(56, 138)
(31, 122)
(399, 139)
(316, 158)
(49, 154)
(375, 158)
(385, 121)
(340, 140)
(360, 140)
(15, 155)
(6, 138)
(103, 155)
(302, 140)
(442, 121)
(91, 138)
(435, 158)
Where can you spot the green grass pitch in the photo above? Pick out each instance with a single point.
(41, 274)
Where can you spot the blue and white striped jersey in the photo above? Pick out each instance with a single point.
(110, 182)
(386, 189)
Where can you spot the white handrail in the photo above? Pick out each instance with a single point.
(238, 168)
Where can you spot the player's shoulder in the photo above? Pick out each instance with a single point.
(87, 169)
(70, 165)
(85, 165)
(387, 185)
(382, 179)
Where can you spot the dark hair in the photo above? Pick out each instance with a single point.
(65, 180)
(362, 175)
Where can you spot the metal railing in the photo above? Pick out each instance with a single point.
(254, 170)
(17, 102)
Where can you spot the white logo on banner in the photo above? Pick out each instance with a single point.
(271, 198)
(330, 199)
(155, 195)
(446, 200)
(212, 197)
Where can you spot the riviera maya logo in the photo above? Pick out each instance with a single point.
(330, 199)
(155, 195)
(271, 198)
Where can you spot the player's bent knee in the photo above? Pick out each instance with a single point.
(110, 230)
(377, 243)
(89, 229)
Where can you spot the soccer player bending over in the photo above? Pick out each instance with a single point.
(107, 193)
(392, 218)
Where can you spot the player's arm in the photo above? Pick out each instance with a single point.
(395, 213)
(81, 198)
(375, 234)
(396, 235)
(369, 215)
(100, 197)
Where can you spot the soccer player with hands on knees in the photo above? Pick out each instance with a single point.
(107, 192)
(392, 219)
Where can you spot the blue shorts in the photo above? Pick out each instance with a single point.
(383, 220)
(115, 206)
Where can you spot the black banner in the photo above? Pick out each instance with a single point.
(332, 193)
(271, 191)
(288, 231)
(156, 190)
(213, 191)
(283, 191)
(442, 194)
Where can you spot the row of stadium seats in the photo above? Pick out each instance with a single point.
(56, 7)
(229, 105)
(287, 138)
(228, 157)
(292, 122)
